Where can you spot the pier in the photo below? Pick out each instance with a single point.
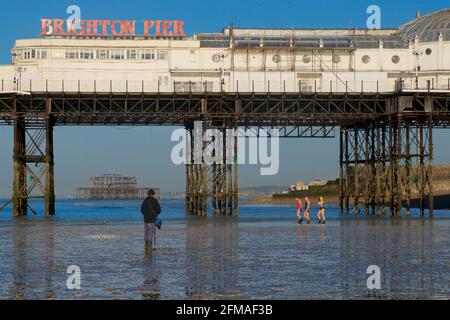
(382, 91)
(386, 139)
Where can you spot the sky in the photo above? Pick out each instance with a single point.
(81, 152)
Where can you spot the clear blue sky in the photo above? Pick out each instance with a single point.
(145, 152)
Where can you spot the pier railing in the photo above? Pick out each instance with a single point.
(237, 86)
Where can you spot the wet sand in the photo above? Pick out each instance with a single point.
(223, 258)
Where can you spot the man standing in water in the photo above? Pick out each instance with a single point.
(150, 209)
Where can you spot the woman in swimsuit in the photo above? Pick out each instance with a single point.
(321, 212)
(299, 210)
(307, 209)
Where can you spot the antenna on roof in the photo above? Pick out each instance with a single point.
(417, 14)
(231, 34)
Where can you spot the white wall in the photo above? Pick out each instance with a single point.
(246, 70)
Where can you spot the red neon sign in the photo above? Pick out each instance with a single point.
(115, 28)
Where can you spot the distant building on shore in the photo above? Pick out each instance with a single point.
(299, 186)
(317, 183)
(113, 187)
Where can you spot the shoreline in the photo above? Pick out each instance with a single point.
(441, 201)
(271, 200)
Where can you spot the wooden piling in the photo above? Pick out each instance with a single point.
(50, 179)
(20, 193)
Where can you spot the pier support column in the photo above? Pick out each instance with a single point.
(389, 161)
(385, 168)
(33, 172)
(49, 174)
(399, 166)
(357, 170)
(407, 172)
(236, 171)
(368, 182)
(189, 196)
(20, 194)
(430, 167)
(345, 174)
(215, 181)
(229, 163)
(341, 171)
(413, 164)
(378, 170)
(223, 180)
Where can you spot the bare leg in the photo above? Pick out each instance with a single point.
(307, 215)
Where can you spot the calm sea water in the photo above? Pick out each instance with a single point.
(263, 254)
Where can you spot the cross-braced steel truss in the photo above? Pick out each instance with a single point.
(216, 181)
(33, 164)
(386, 139)
(384, 164)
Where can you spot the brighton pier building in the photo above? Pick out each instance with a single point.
(238, 60)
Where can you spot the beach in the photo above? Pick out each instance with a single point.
(263, 254)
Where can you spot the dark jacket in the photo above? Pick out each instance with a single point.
(150, 209)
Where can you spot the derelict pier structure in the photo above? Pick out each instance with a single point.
(112, 187)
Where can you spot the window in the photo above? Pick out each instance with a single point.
(86, 54)
(91, 54)
(17, 54)
(30, 54)
(216, 58)
(428, 52)
(192, 56)
(117, 54)
(59, 54)
(162, 55)
(103, 54)
(365, 59)
(72, 54)
(395, 59)
(148, 55)
(163, 80)
(336, 59)
(132, 54)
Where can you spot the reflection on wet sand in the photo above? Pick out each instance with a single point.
(404, 251)
(29, 275)
(212, 258)
(150, 289)
(223, 258)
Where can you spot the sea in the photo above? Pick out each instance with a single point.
(95, 250)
